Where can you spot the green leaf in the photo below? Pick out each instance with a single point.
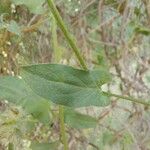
(10, 146)
(14, 27)
(11, 27)
(142, 30)
(44, 146)
(127, 138)
(78, 120)
(67, 86)
(107, 138)
(16, 91)
(35, 6)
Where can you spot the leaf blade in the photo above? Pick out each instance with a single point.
(67, 86)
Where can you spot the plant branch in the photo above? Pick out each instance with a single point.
(127, 98)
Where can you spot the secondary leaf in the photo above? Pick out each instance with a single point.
(142, 30)
(16, 91)
(14, 27)
(67, 86)
(78, 120)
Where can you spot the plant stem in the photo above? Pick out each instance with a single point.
(54, 40)
(62, 127)
(127, 98)
(66, 33)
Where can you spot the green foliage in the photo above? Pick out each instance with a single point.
(16, 91)
(80, 121)
(14, 27)
(44, 146)
(107, 137)
(67, 86)
(142, 30)
(127, 139)
(35, 6)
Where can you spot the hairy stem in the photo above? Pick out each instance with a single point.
(66, 33)
(62, 127)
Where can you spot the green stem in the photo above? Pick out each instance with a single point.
(62, 127)
(127, 98)
(66, 33)
(56, 49)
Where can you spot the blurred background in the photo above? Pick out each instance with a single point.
(114, 34)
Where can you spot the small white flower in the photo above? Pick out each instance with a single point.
(76, 10)
(19, 77)
(4, 54)
(8, 43)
